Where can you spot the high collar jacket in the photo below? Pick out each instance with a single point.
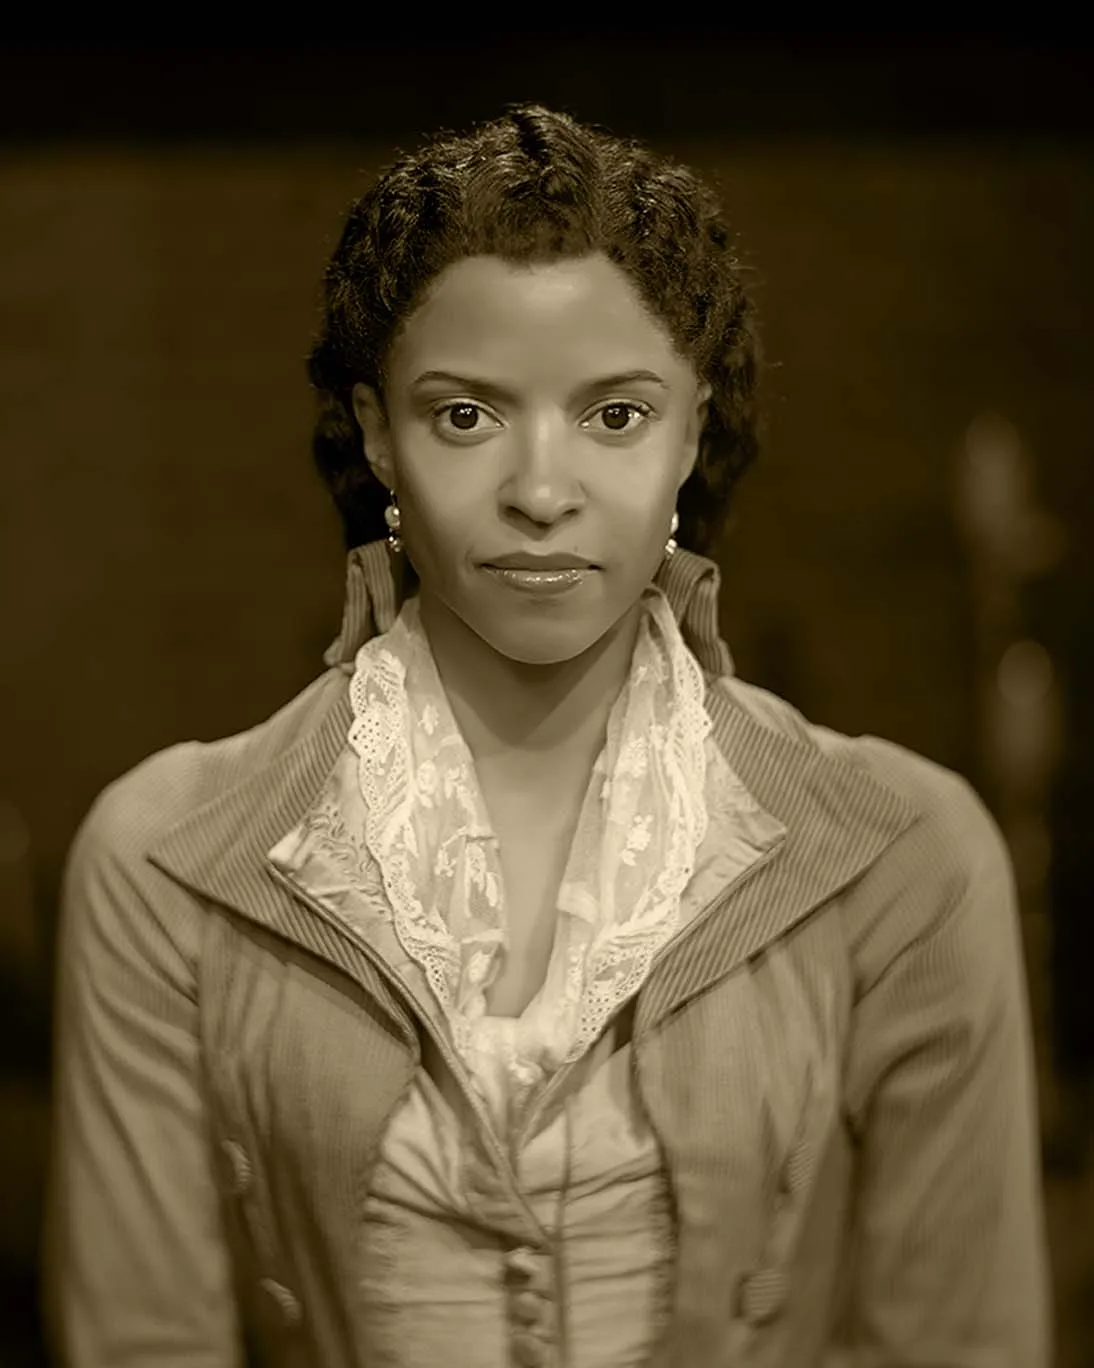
(835, 1057)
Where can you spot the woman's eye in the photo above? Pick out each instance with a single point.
(619, 416)
(463, 416)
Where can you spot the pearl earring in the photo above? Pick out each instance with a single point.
(670, 545)
(394, 520)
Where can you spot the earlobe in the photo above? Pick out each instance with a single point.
(375, 431)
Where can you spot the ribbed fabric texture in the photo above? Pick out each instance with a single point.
(835, 1060)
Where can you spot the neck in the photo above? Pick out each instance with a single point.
(524, 721)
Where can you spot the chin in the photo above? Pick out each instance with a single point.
(540, 648)
(542, 643)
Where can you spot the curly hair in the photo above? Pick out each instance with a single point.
(535, 186)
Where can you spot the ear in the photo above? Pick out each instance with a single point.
(697, 421)
(368, 409)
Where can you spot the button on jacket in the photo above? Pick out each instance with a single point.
(835, 1059)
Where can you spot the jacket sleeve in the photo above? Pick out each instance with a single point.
(949, 1268)
(136, 1269)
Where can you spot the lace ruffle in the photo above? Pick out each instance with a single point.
(428, 831)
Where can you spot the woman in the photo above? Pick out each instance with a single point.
(531, 990)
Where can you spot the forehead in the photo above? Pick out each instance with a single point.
(571, 312)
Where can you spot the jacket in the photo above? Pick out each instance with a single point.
(835, 1056)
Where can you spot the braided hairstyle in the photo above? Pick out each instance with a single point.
(536, 186)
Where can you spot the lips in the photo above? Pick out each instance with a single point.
(540, 581)
(520, 561)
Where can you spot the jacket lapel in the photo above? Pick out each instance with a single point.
(219, 851)
(838, 819)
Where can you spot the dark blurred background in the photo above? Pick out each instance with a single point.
(913, 557)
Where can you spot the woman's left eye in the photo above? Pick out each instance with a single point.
(619, 416)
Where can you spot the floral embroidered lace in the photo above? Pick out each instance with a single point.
(429, 833)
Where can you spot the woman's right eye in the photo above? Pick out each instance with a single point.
(463, 416)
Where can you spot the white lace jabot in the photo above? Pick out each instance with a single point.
(427, 828)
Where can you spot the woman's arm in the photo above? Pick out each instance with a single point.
(136, 1267)
(950, 1268)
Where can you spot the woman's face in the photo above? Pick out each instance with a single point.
(534, 412)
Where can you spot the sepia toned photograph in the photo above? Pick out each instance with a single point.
(548, 684)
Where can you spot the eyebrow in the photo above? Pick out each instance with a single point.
(480, 386)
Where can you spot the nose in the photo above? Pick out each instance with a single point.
(541, 483)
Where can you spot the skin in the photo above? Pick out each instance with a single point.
(532, 679)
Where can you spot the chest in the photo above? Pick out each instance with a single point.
(534, 821)
(533, 852)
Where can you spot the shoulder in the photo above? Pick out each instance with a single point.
(167, 786)
(107, 862)
(946, 867)
(948, 814)
(954, 843)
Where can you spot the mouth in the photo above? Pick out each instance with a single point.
(542, 580)
(539, 564)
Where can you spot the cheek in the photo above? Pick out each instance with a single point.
(641, 490)
(435, 536)
(441, 500)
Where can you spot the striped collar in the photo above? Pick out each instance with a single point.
(837, 818)
(691, 584)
